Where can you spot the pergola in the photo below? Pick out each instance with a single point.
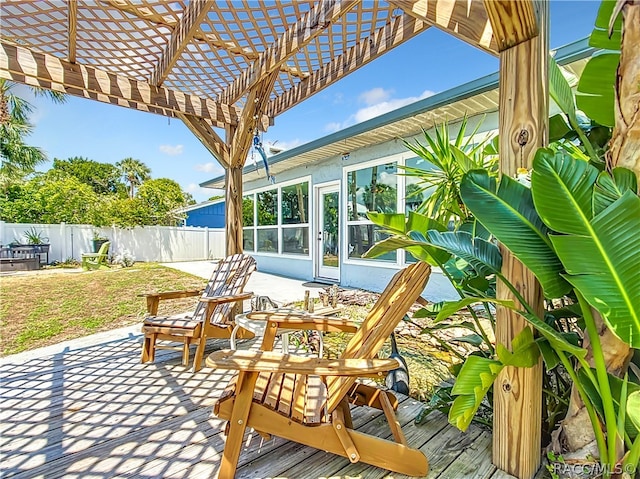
(233, 66)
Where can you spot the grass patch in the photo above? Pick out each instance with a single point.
(42, 309)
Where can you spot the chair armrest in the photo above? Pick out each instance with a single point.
(268, 361)
(93, 255)
(230, 298)
(304, 321)
(153, 299)
(172, 294)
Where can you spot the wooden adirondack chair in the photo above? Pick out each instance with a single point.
(97, 260)
(211, 318)
(307, 399)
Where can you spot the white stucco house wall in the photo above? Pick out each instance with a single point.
(304, 226)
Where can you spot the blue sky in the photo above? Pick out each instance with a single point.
(430, 63)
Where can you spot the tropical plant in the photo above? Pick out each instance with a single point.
(18, 158)
(577, 232)
(134, 172)
(439, 185)
(33, 236)
(576, 229)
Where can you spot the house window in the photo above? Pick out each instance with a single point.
(277, 220)
(248, 221)
(295, 212)
(414, 192)
(373, 188)
(383, 187)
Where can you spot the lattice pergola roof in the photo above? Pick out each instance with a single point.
(202, 58)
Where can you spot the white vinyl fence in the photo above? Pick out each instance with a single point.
(148, 243)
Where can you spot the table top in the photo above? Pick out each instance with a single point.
(319, 311)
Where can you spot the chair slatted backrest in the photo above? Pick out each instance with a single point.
(400, 294)
(229, 277)
(103, 250)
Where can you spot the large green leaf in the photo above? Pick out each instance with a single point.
(484, 257)
(473, 381)
(511, 217)
(398, 226)
(611, 187)
(558, 128)
(562, 190)
(391, 222)
(600, 36)
(525, 351)
(604, 265)
(601, 253)
(556, 339)
(421, 250)
(560, 91)
(451, 307)
(595, 95)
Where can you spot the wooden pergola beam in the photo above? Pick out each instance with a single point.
(240, 139)
(314, 23)
(466, 20)
(249, 120)
(72, 20)
(193, 14)
(512, 22)
(23, 65)
(144, 13)
(401, 29)
(523, 128)
(209, 138)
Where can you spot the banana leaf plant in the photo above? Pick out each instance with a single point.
(578, 231)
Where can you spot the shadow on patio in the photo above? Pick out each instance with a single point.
(96, 412)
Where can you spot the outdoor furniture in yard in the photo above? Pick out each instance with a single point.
(211, 317)
(99, 260)
(20, 257)
(258, 326)
(306, 399)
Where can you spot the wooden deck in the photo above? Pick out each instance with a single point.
(98, 413)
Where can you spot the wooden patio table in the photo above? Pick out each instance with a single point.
(258, 325)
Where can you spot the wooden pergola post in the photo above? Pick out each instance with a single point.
(233, 204)
(239, 141)
(521, 29)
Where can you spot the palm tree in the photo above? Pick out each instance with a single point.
(134, 172)
(18, 158)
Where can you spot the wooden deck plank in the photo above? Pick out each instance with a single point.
(317, 463)
(474, 461)
(98, 413)
(291, 454)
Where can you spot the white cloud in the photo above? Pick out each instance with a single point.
(172, 150)
(378, 103)
(385, 106)
(333, 127)
(375, 95)
(209, 167)
(200, 194)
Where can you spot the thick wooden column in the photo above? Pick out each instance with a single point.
(233, 209)
(523, 129)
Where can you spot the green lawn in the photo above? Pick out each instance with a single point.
(42, 309)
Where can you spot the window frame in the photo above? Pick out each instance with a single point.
(400, 160)
(280, 226)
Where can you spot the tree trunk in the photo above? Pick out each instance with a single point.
(624, 150)
(625, 142)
